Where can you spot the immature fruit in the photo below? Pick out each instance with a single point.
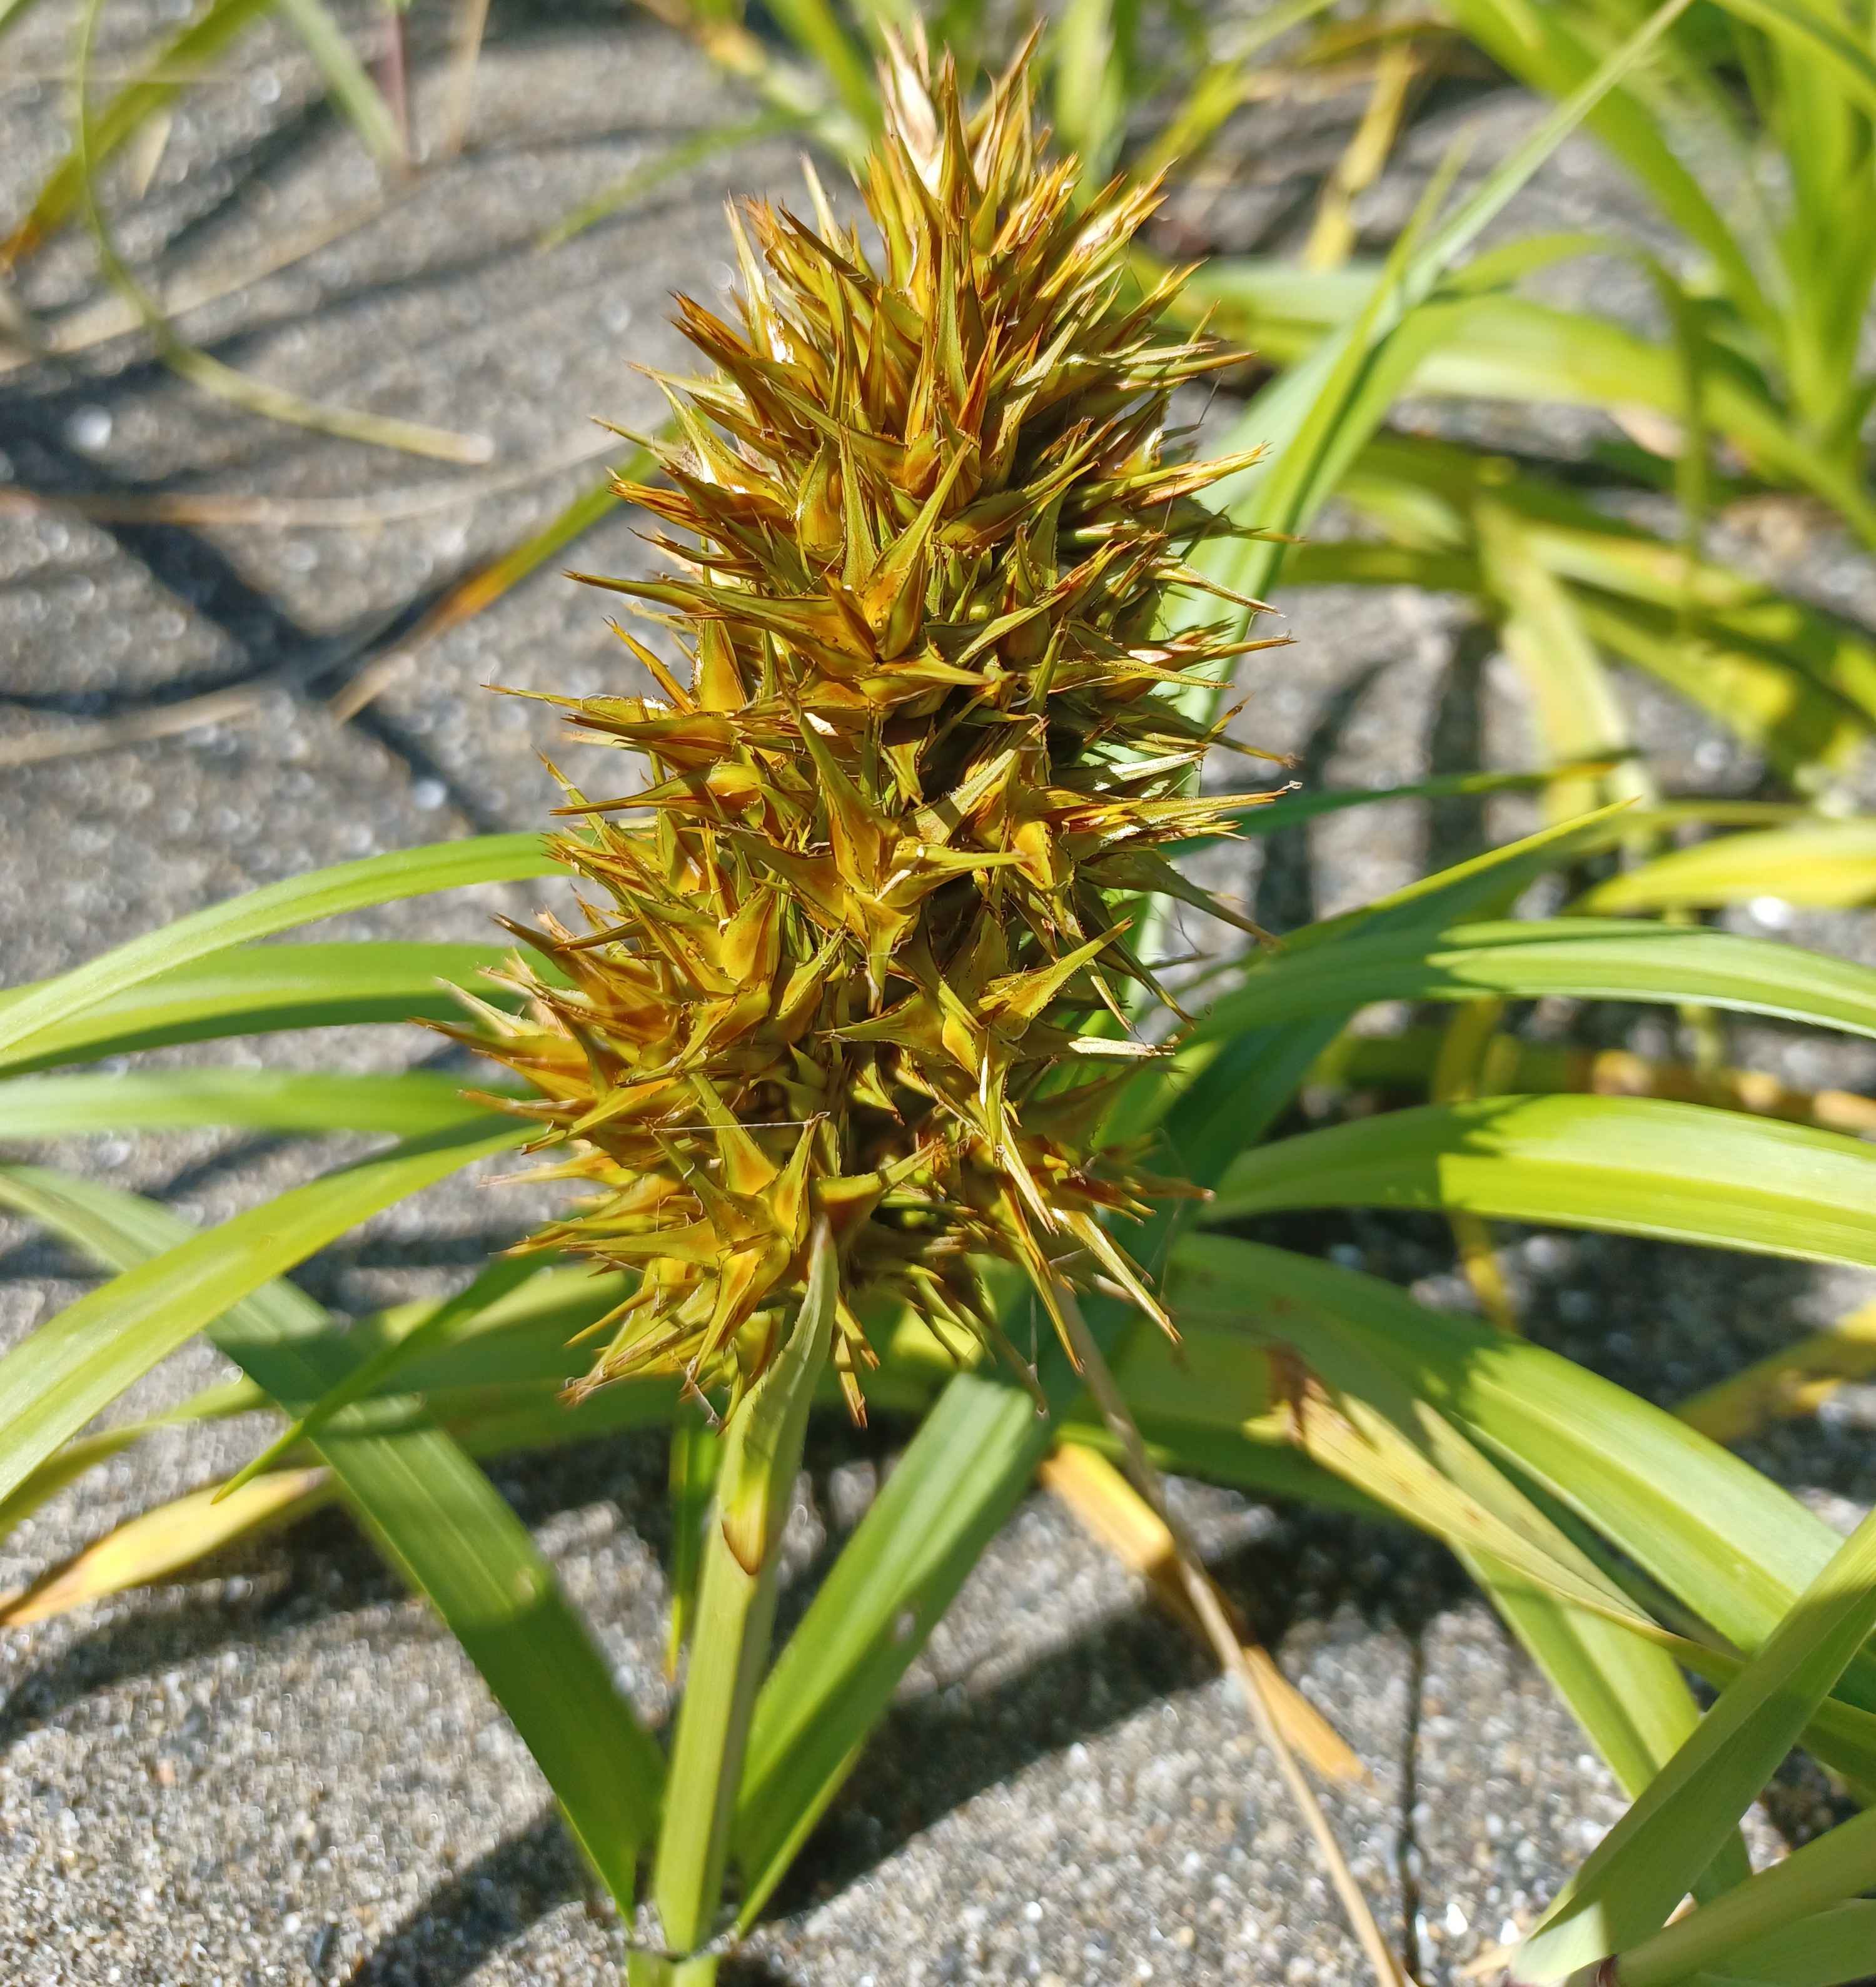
(854, 950)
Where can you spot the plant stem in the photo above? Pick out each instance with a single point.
(735, 1613)
(659, 1969)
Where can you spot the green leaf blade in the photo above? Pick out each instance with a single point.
(1828, 864)
(1580, 958)
(893, 1580)
(407, 1105)
(263, 989)
(1641, 1870)
(736, 1611)
(1730, 1544)
(276, 907)
(74, 1366)
(1681, 1173)
(437, 1518)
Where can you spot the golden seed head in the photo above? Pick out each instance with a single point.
(846, 952)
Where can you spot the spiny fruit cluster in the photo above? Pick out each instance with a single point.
(855, 951)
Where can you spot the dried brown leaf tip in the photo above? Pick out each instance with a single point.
(846, 952)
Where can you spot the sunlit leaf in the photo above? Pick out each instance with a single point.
(276, 907)
(55, 1107)
(54, 1381)
(1829, 863)
(1729, 1544)
(165, 1540)
(256, 989)
(432, 1513)
(1642, 1868)
(1673, 1172)
(1581, 958)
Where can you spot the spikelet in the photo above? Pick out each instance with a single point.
(846, 949)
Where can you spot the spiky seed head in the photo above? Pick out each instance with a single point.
(843, 954)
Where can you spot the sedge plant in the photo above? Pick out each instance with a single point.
(849, 1065)
(860, 952)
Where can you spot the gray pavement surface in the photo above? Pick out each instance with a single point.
(282, 1771)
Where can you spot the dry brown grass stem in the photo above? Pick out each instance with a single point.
(116, 316)
(243, 510)
(1203, 1599)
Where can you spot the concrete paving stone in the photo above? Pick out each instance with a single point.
(282, 1770)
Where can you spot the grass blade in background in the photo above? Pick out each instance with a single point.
(1360, 1423)
(1092, 55)
(1317, 417)
(679, 158)
(255, 990)
(43, 1010)
(1629, 1696)
(1828, 864)
(1809, 27)
(1271, 816)
(242, 389)
(58, 1107)
(436, 1517)
(1797, 682)
(1795, 1380)
(1406, 1062)
(488, 582)
(1763, 694)
(13, 12)
(1677, 1172)
(158, 1543)
(492, 1381)
(1495, 345)
(164, 76)
(347, 83)
(1545, 50)
(1574, 706)
(1642, 1868)
(819, 31)
(70, 1368)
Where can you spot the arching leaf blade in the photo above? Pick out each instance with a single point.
(262, 988)
(1828, 864)
(436, 1517)
(52, 1382)
(276, 907)
(1580, 958)
(406, 1105)
(1728, 1543)
(1680, 1172)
